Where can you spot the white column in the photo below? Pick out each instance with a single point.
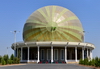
(51, 54)
(87, 52)
(91, 54)
(65, 54)
(38, 55)
(28, 54)
(83, 53)
(17, 52)
(21, 53)
(76, 54)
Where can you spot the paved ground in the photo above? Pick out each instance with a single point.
(45, 66)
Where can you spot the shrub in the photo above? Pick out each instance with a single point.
(96, 61)
(93, 62)
(16, 60)
(6, 60)
(0, 58)
(12, 57)
(5, 57)
(3, 62)
(10, 61)
(81, 61)
(99, 62)
(89, 63)
(86, 61)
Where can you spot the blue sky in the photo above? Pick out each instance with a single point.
(13, 15)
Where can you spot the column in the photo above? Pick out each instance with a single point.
(14, 53)
(87, 52)
(83, 53)
(21, 53)
(65, 54)
(76, 54)
(91, 54)
(28, 54)
(38, 55)
(17, 52)
(51, 54)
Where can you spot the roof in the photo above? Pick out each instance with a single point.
(53, 43)
(53, 23)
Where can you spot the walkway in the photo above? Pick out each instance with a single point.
(45, 66)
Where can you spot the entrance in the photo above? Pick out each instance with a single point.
(71, 53)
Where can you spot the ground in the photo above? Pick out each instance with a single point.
(45, 66)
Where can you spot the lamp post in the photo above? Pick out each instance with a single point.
(14, 32)
(7, 50)
(84, 36)
(83, 48)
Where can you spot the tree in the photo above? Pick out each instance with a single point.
(3, 62)
(96, 61)
(6, 58)
(0, 58)
(12, 57)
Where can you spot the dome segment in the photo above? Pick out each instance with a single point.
(53, 23)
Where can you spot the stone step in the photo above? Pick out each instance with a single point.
(72, 62)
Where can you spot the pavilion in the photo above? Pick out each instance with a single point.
(53, 34)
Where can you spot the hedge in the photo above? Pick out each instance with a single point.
(6, 60)
(94, 62)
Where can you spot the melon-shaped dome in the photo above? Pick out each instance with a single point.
(53, 23)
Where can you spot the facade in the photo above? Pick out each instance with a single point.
(53, 34)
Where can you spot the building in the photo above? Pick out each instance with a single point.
(53, 34)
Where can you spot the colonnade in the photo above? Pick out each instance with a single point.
(52, 54)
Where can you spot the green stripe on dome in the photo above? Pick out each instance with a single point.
(66, 36)
(72, 27)
(76, 35)
(68, 19)
(32, 33)
(53, 11)
(48, 11)
(35, 21)
(37, 36)
(62, 12)
(42, 13)
(59, 36)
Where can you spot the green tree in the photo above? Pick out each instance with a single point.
(96, 61)
(12, 57)
(99, 62)
(6, 58)
(0, 58)
(93, 62)
(3, 62)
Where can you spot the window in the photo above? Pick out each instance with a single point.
(42, 54)
(48, 54)
(62, 54)
(55, 54)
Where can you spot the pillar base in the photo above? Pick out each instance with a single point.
(65, 60)
(38, 61)
(51, 61)
(76, 60)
